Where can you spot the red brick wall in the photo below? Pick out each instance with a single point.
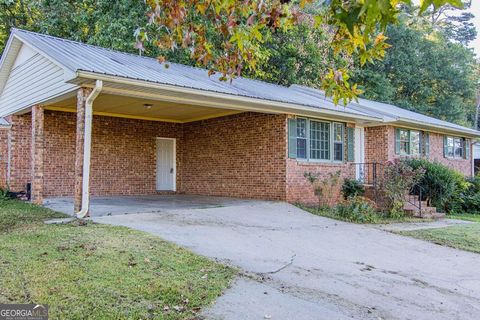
(380, 147)
(436, 154)
(20, 165)
(123, 154)
(4, 131)
(300, 190)
(241, 156)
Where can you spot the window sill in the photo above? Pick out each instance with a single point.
(316, 163)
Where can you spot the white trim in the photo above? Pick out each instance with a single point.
(174, 155)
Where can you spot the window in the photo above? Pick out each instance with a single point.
(302, 138)
(411, 143)
(456, 147)
(338, 137)
(319, 140)
(415, 143)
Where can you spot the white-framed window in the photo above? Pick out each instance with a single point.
(456, 147)
(412, 142)
(319, 140)
(338, 140)
(302, 138)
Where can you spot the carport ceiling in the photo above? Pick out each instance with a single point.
(129, 107)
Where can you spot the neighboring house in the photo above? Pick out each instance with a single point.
(158, 129)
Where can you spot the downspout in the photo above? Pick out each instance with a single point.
(87, 144)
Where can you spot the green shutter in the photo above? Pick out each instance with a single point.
(467, 148)
(292, 138)
(426, 140)
(397, 141)
(350, 144)
(445, 147)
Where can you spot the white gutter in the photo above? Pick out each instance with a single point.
(239, 101)
(87, 144)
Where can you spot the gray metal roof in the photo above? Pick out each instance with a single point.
(76, 56)
(4, 122)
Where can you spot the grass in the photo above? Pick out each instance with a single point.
(378, 219)
(464, 237)
(87, 270)
(468, 217)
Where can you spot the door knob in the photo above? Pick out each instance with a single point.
(171, 170)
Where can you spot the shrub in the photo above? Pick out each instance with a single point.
(352, 188)
(5, 194)
(357, 209)
(470, 197)
(397, 180)
(443, 186)
(325, 188)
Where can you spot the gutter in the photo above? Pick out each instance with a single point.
(275, 105)
(87, 144)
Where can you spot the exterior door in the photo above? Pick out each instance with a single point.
(166, 171)
(360, 153)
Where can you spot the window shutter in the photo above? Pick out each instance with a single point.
(350, 144)
(426, 139)
(292, 138)
(467, 148)
(445, 147)
(397, 141)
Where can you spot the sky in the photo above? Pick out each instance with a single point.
(475, 8)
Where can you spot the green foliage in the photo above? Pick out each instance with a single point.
(424, 72)
(5, 194)
(105, 23)
(470, 197)
(357, 209)
(352, 188)
(397, 180)
(443, 186)
(325, 187)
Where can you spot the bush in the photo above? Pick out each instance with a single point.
(357, 209)
(352, 188)
(397, 180)
(325, 187)
(5, 194)
(443, 186)
(470, 197)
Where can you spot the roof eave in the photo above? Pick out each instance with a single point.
(255, 104)
(441, 129)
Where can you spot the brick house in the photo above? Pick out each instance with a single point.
(81, 120)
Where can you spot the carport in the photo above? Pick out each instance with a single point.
(119, 205)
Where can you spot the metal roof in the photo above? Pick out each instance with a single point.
(77, 57)
(4, 122)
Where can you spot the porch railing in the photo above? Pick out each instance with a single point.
(369, 173)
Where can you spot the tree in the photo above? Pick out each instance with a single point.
(241, 27)
(104, 23)
(430, 75)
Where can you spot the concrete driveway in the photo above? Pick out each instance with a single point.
(299, 266)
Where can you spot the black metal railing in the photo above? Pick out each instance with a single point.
(416, 197)
(369, 173)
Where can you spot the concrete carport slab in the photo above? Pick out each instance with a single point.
(107, 206)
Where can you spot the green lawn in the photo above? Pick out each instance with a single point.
(100, 271)
(465, 237)
(379, 219)
(468, 217)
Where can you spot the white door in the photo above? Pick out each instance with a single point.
(166, 171)
(360, 152)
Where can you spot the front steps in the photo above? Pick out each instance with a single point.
(411, 206)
